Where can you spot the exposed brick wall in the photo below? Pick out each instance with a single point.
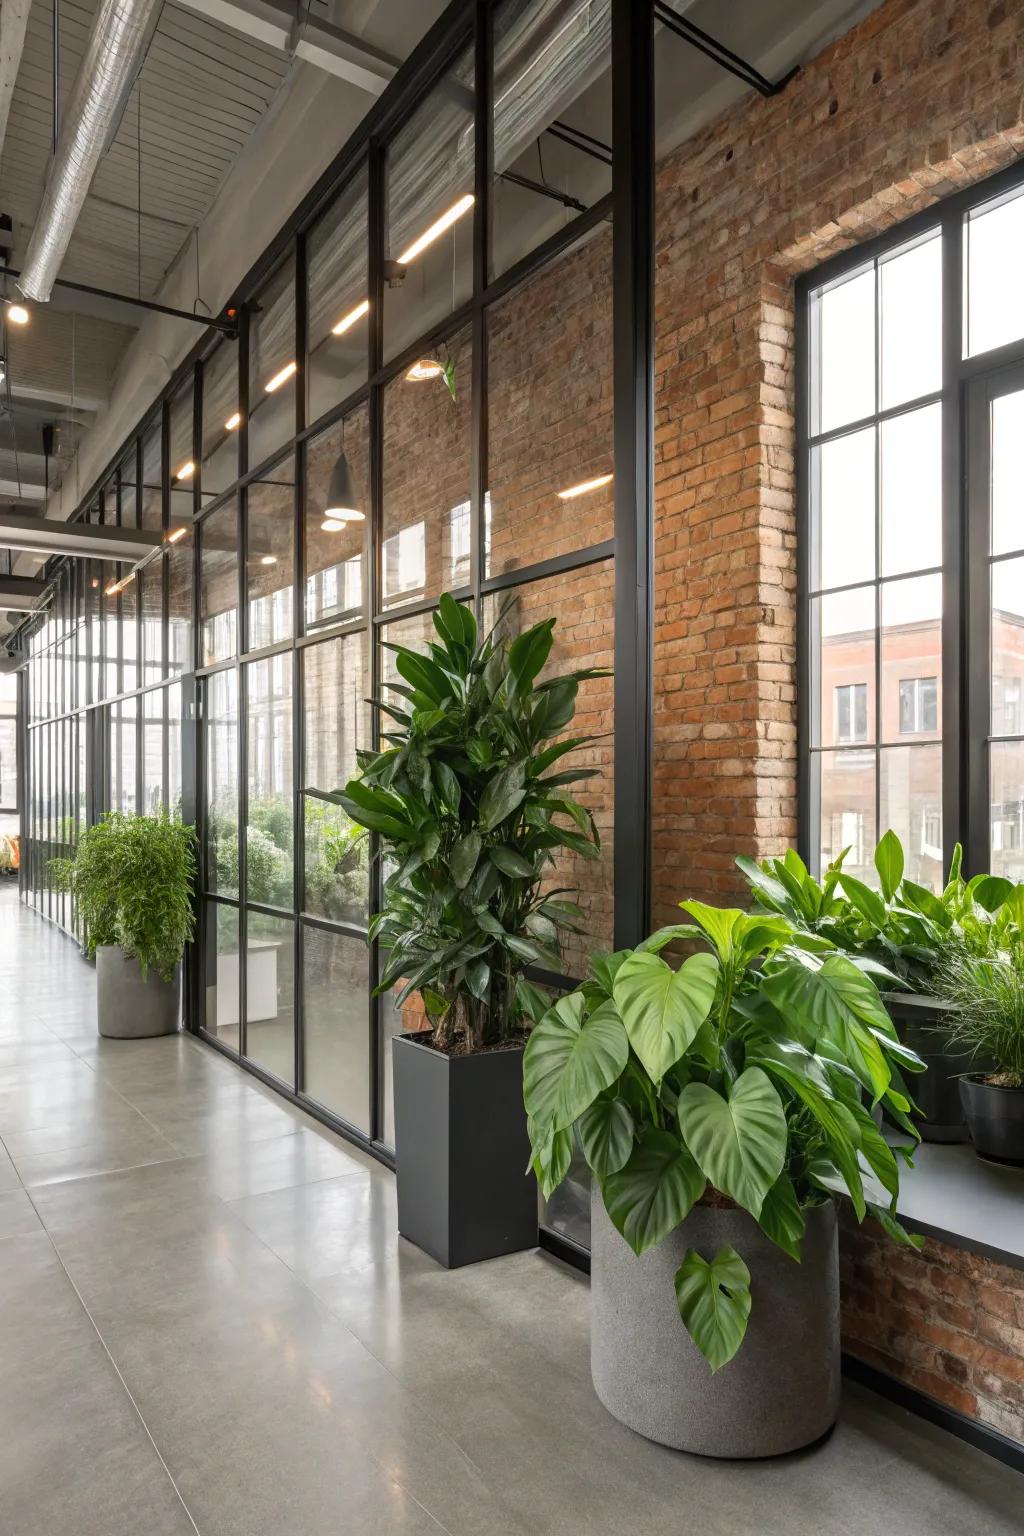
(946, 1321)
(924, 97)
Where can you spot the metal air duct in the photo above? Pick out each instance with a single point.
(114, 54)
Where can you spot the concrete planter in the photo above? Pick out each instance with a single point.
(129, 1008)
(778, 1393)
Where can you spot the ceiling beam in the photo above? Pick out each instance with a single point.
(21, 594)
(26, 534)
(330, 48)
(13, 24)
(19, 491)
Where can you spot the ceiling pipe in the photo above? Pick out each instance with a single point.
(117, 46)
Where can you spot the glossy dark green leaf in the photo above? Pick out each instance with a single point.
(504, 794)
(511, 863)
(714, 1303)
(655, 1190)
(781, 1217)
(606, 1131)
(663, 1009)
(889, 863)
(463, 858)
(739, 1140)
(528, 653)
(569, 1061)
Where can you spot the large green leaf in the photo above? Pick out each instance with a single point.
(868, 902)
(655, 1191)
(504, 793)
(781, 1217)
(837, 1002)
(570, 1061)
(528, 653)
(714, 1303)
(663, 1009)
(510, 862)
(606, 1131)
(552, 1157)
(889, 863)
(739, 1142)
(463, 859)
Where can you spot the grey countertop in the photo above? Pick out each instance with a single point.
(954, 1195)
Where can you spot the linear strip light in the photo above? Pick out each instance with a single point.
(280, 378)
(438, 227)
(233, 422)
(186, 471)
(348, 321)
(176, 534)
(585, 485)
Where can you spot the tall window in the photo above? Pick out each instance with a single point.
(913, 448)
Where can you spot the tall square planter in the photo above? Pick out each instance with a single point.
(462, 1153)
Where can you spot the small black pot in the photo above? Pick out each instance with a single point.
(462, 1151)
(919, 1024)
(995, 1116)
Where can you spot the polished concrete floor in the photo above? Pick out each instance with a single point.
(208, 1323)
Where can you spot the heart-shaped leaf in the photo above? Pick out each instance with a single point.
(655, 1190)
(739, 1142)
(663, 1009)
(606, 1131)
(781, 1217)
(714, 1303)
(570, 1061)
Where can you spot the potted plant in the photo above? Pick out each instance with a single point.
(720, 1108)
(470, 801)
(132, 880)
(905, 930)
(986, 996)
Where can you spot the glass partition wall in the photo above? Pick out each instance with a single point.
(425, 394)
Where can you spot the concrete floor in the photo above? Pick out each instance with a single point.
(208, 1323)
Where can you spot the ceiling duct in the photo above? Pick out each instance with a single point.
(117, 46)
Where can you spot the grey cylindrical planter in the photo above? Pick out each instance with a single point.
(128, 1008)
(779, 1392)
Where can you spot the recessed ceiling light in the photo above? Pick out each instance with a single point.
(437, 228)
(348, 321)
(333, 524)
(233, 421)
(280, 378)
(268, 560)
(425, 368)
(17, 314)
(186, 471)
(176, 534)
(585, 486)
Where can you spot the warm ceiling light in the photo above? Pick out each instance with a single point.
(425, 368)
(348, 321)
(176, 534)
(233, 421)
(342, 496)
(3, 370)
(112, 588)
(17, 314)
(268, 560)
(333, 524)
(585, 486)
(95, 582)
(437, 228)
(280, 378)
(186, 471)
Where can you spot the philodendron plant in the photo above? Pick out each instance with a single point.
(750, 1070)
(470, 799)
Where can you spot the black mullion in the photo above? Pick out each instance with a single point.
(877, 580)
(954, 550)
(376, 172)
(808, 825)
(633, 389)
(298, 619)
(978, 684)
(483, 42)
(241, 704)
(905, 408)
(878, 553)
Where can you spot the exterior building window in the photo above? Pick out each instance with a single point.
(852, 712)
(919, 704)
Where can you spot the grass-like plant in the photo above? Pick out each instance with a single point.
(469, 798)
(987, 1017)
(132, 879)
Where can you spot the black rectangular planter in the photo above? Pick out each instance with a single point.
(918, 1021)
(462, 1151)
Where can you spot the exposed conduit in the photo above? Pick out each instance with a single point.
(114, 54)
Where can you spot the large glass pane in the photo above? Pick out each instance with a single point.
(427, 441)
(1007, 809)
(552, 128)
(429, 236)
(583, 605)
(846, 343)
(911, 647)
(843, 474)
(911, 465)
(150, 582)
(272, 366)
(154, 704)
(152, 479)
(911, 299)
(270, 832)
(1008, 647)
(182, 467)
(337, 722)
(336, 258)
(337, 473)
(846, 785)
(218, 589)
(179, 560)
(122, 756)
(843, 626)
(128, 490)
(221, 727)
(995, 284)
(336, 1035)
(270, 556)
(910, 802)
(1007, 473)
(174, 748)
(130, 633)
(221, 421)
(270, 994)
(221, 978)
(549, 391)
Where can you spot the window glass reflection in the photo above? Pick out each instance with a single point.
(152, 479)
(272, 366)
(337, 503)
(270, 994)
(218, 594)
(182, 469)
(270, 556)
(221, 734)
(221, 974)
(336, 1036)
(336, 259)
(270, 831)
(337, 722)
(221, 421)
